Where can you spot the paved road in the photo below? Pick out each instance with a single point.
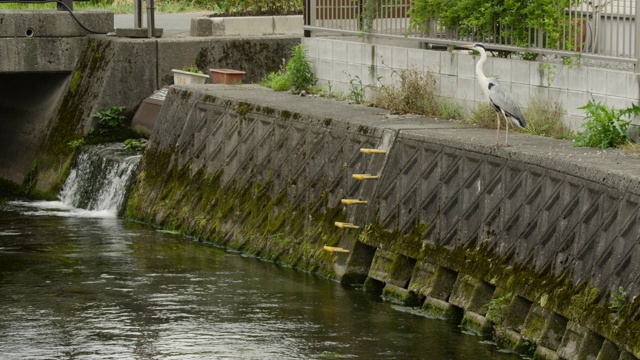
(173, 25)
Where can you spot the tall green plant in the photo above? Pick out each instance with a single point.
(295, 75)
(299, 69)
(605, 126)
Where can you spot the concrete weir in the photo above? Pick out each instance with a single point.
(537, 242)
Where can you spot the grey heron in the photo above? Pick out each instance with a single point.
(498, 96)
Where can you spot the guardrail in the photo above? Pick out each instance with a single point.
(600, 29)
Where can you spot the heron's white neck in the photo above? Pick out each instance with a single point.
(482, 79)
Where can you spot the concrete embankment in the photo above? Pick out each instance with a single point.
(537, 242)
(108, 72)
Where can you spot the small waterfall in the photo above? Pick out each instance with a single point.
(99, 178)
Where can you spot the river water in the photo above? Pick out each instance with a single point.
(77, 284)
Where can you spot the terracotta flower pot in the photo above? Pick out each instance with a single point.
(226, 76)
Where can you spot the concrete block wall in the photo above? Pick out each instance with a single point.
(337, 62)
(247, 26)
(451, 222)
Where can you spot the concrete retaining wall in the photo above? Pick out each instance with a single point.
(247, 26)
(527, 241)
(337, 61)
(46, 41)
(42, 117)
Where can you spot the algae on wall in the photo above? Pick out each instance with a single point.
(241, 202)
(251, 176)
(70, 122)
(109, 72)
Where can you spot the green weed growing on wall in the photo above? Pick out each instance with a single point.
(110, 119)
(294, 75)
(605, 126)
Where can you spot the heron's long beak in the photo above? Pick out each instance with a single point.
(470, 47)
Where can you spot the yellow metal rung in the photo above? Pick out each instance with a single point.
(365, 177)
(353, 202)
(343, 225)
(335, 249)
(373, 151)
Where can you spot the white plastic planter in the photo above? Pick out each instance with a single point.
(181, 77)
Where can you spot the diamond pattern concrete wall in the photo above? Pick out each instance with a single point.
(451, 220)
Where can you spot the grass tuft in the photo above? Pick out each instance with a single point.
(544, 118)
(414, 92)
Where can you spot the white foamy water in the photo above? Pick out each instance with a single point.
(95, 188)
(58, 208)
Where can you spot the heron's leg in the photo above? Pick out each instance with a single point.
(498, 129)
(506, 138)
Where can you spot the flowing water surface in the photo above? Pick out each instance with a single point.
(78, 284)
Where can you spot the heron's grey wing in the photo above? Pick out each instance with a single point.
(502, 99)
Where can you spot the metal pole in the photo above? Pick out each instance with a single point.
(137, 14)
(307, 16)
(150, 19)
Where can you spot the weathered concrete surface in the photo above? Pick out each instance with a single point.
(133, 32)
(26, 102)
(98, 72)
(53, 23)
(247, 26)
(18, 55)
(257, 56)
(553, 225)
(46, 41)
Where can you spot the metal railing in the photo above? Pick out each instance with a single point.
(601, 29)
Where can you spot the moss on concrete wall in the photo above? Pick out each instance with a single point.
(242, 217)
(256, 173)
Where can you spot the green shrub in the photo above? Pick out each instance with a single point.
(503, 20)
(605, 126)
(135, 145)
(110, 120)
(294, 75)
(299, 69)
(74, 144)
(498, 307)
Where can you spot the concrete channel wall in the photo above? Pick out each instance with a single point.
(48, 103)
(529, 241)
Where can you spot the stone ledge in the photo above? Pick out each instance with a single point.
(52, 23)
(246, 25)
(137, 32)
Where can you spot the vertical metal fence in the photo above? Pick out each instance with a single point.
(605, 29)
